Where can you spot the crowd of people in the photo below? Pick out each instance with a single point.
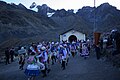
(40, 56)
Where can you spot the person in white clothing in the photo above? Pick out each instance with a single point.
(43, 59)
(63, 57)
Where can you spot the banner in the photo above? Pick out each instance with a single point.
(96, 37)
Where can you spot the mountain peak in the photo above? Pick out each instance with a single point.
(21, 6)
(63, 13)
(106, 6)
(87, 7)
(44, 9)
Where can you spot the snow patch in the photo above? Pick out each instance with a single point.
(50, 14)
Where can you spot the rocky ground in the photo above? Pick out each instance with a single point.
(77, 69)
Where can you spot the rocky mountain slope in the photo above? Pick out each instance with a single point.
(107, 17)
(68, 20)
(20, 25)
(16, 21)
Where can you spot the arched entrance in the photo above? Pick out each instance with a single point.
(72, 38)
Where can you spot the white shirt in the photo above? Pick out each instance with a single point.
(65, 52)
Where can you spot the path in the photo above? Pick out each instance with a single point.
(77, 69)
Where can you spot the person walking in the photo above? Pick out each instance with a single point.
(21, 55)
(21, 61)
(66, 53)
(43, 59)
(7, 56)
(32, 69)
(62, 53)
(53, 58)
(98, 53)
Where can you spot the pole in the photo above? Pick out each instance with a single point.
(94, 3)
(94, 24)
(94, 18)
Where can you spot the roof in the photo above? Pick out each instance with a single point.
(68, 31)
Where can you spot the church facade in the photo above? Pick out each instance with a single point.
(72, 35)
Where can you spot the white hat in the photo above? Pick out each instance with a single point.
(65, 44)
(52, 43)
(114, 30)
(22, 47)
(73, 42)
(43, 48)
(105, 40)
(61, 46)
(40, 45)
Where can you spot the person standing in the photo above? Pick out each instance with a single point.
(7, 55)
(80, 49)
(12, 54)
(72, 48)
(85, 52)
(98, 53)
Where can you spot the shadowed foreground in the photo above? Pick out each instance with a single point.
(77, 69)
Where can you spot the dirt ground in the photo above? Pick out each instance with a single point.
(77, 69)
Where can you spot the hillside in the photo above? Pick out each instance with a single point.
(19, 25)
(107, 17)
(22, 23)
